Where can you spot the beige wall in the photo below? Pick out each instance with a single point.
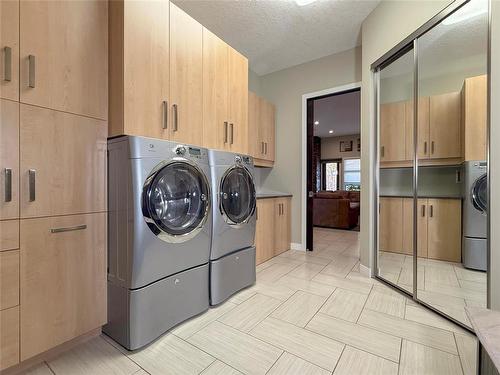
(330, 147)
(285, 89)
(254, 82)
(388, 24)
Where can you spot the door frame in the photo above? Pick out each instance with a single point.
(303, 199)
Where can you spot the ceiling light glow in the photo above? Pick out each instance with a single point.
(302, 3)
(330, 131)
(316, 122)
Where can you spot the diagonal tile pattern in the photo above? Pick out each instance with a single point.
(309, 313)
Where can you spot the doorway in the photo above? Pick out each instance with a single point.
(331, 160)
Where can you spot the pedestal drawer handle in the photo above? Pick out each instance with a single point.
(68, 229)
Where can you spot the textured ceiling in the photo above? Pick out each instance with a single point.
(277, 34)
(339, 113)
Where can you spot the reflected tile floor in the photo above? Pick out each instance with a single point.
(308, 313)
(447, 286)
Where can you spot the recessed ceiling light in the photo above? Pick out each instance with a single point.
(330, 131)
(301, 3)
(316, 122)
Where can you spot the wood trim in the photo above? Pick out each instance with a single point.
(421, 163)
(263, 163)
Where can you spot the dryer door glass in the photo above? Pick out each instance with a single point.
(177, 198)
(237, 195)
(480, 193)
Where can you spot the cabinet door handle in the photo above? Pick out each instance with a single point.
(265, 148)
(431, 213)
(382, 151)
(32, 184)
(225, 131)
(68, 229)
(31, 71)
(425, 148)
(423, 210)
(8, 184)
(176, 117)
(7, 64)
(164, 119)
(232, 132)
(432, 147)
(262, 147)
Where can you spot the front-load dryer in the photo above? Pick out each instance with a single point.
(159, 237)
(475, 202)
(232, 256)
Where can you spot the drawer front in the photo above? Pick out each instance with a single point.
(9, 337)
(9, 235)
(69, 175)
(9, 279)
(63, 279)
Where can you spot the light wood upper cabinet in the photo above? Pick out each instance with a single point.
(238, 101)
(186, 71)
(423, 128)
(261, 130)
(9, 159)
(9, 49)
(254, 137)
(67, 157)
(391, 224)
(444, 229)
(215, 92)
(63, 56)
(63, 279)
(268, 121)
(282, 208)
(392, 132)
(444, 120)
(264, 231)
(139, 73)
(474, 117)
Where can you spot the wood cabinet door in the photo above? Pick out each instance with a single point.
(444, 120)
(391, 225)
(475, 117)
(9, 49)
(267, 123)
(238, 101)
(392, 132)
(444, 229)
(139, 74)
(63, 163)
(186, 78)
(264, 231)
(215, 92)
(282, 226)
(423, 129)
(9, 279)
(68, 42)
(9, 234)
(9, 159)
(63, 279)
(421, 227)
(255, 143)
(9, 337)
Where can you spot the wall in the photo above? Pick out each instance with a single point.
(285, 89)
(388, 24)
(254, 82)
(330, 147)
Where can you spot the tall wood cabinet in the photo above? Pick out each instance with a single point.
(474, 117)
(262, 129)
(273, 230)
(53, 130)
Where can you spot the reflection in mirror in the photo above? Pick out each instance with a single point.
(452, 147)
(395, 234)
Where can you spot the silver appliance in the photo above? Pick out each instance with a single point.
(160, 227)
(474, 248)
(232, 255)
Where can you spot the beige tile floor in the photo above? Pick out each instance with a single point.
(308, 313)
(447, 286)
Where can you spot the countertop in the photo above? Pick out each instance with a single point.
(420, 196)
(486, 324)
(272, 194)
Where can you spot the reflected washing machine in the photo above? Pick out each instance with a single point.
(232, 255)
(159, 237)
(475, 221)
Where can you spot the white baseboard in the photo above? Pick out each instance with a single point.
(365, 271)
(297, 246)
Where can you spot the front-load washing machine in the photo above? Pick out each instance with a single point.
(232, 256)
(475, 203)
(159, 236)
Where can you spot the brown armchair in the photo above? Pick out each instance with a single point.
(337, 209)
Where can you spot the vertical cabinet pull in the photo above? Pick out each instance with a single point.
(164, 113)
(265, 148)
(7, 64)
(31, 71)
(432, 147)
(262, 148)
(425, 148)
(231, 125)
(8, 184)
(32, 184)
(431, 213)
(225, 131)
(423, 210)
(382, 151)
(176, 117)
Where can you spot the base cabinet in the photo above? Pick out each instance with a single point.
(9, 337)
(273, 232)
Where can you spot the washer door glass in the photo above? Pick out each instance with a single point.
(480, 193)
(177, 198)
(237, 195)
